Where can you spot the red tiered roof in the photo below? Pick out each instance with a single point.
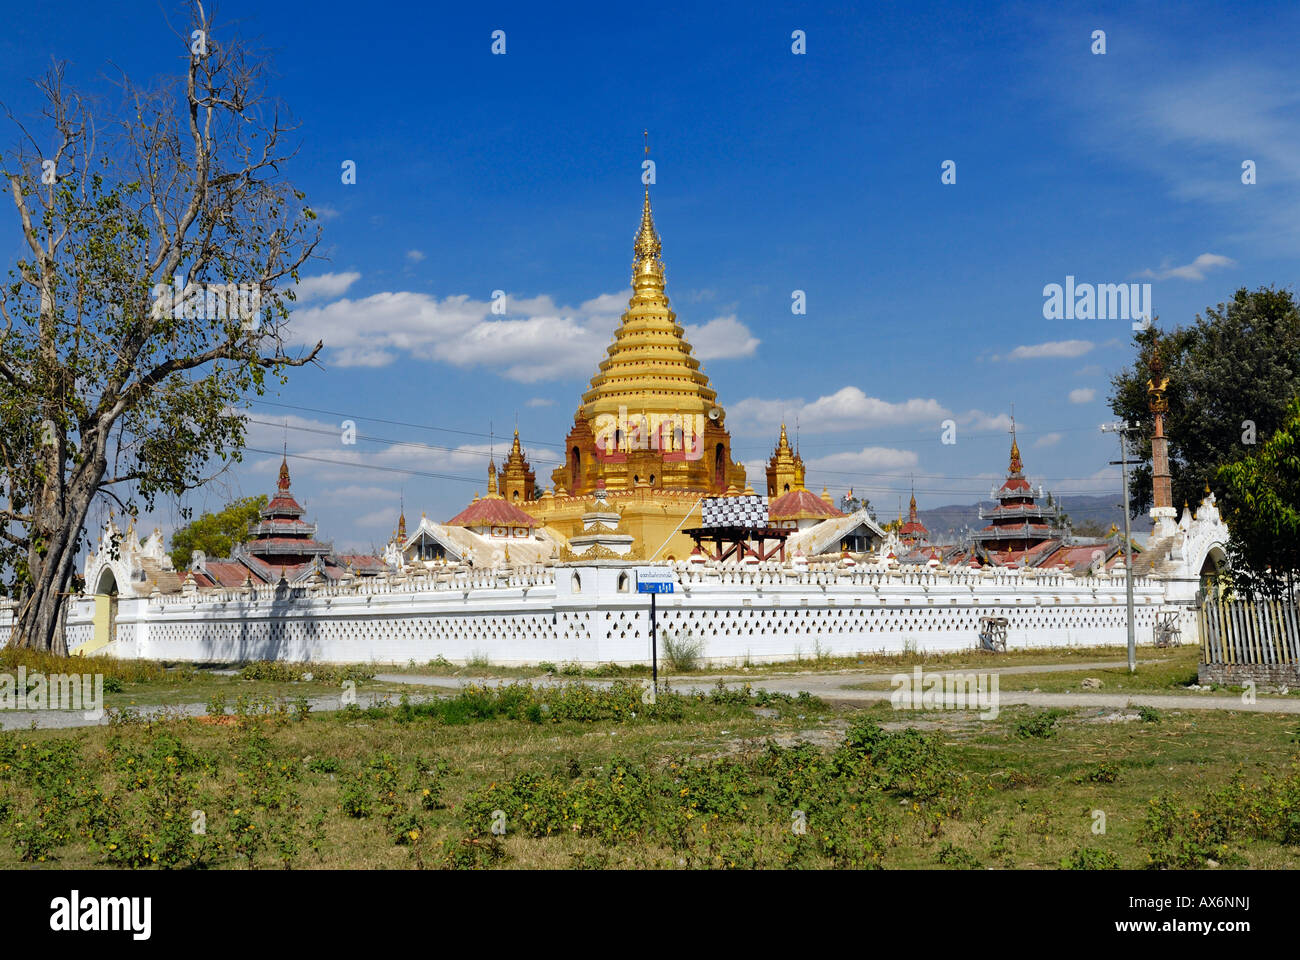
(914, 529)
(800, 505)
(1019, 525)
(492, 512)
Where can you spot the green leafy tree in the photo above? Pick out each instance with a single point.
(1089, 528)
(111, 390)
(1260, 502)
(850, 504)
(216, 533)
(1231, 375)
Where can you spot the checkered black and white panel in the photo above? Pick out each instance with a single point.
(735, 511)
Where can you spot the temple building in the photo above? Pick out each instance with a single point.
(649, 433)
(518, 482)
(790, 504)
(913, 531)
(281, 545)
(784, 469)
(1019, 525)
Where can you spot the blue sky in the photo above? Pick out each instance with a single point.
(775, 172)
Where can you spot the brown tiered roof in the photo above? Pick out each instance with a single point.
(801, 505)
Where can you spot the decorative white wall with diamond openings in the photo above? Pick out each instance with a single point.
(576, 613)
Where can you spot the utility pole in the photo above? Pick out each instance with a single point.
(1122, 428)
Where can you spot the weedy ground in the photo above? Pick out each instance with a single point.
(579, 777)
(1171, 670)
(812, 661)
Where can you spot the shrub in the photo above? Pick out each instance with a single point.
(1041, 725)
(324, 765)
(959, 858)
(282, 672)
(1089, 858)
(1102, 773)
(681, 653)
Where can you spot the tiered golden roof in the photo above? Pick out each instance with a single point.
(518, 482)
(650, 418)
(785, 472)
(649, 366)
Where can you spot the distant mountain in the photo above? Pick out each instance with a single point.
(948, 523)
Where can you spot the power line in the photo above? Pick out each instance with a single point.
(395, 423)
(367, 466)
(401, 443)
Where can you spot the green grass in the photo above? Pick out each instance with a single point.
(1170, 671)
(878, 661)
(153, 683)
(595, 780)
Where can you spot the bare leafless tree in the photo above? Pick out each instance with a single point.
(161, 243)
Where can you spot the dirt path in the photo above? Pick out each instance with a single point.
(832, 687)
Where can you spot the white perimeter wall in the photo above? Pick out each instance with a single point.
(578, 613)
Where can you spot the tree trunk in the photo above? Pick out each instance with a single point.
(40, 623)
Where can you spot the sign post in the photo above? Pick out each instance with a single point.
(654, 582)
(1123, 428)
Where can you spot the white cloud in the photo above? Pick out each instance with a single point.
(1195, 270)
(415, 256)
(535, 341)
(1054, 348)
(1049, 440)
(722, 338)
(868, 460)
(376, 520)
(354, 493)
(325, 211)
(1083, 395)
(981, 422)
(540, 402)
(325, 285)
(846, 409)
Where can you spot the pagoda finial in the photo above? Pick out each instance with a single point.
(1016, 464)
(647, 247)
(283, 483)
(492, 478)
(401, 520)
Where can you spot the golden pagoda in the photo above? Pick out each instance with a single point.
(649, 434)
(784, 469)
(518, 482)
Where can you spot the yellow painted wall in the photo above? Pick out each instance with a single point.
(103, 624)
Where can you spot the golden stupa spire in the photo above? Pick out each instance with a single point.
(1016, 463)
(649, 365)
(648, 247)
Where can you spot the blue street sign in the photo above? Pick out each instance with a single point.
(655, 581)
